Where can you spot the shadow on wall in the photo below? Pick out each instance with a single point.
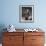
(2, 26)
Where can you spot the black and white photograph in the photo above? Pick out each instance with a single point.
(26, 13)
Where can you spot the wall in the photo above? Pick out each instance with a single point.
(10, 13)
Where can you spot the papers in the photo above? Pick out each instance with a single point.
(11, 28)
(26, 30)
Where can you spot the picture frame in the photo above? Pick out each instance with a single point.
(26, 13)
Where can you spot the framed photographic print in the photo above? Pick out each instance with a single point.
(26, 13)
